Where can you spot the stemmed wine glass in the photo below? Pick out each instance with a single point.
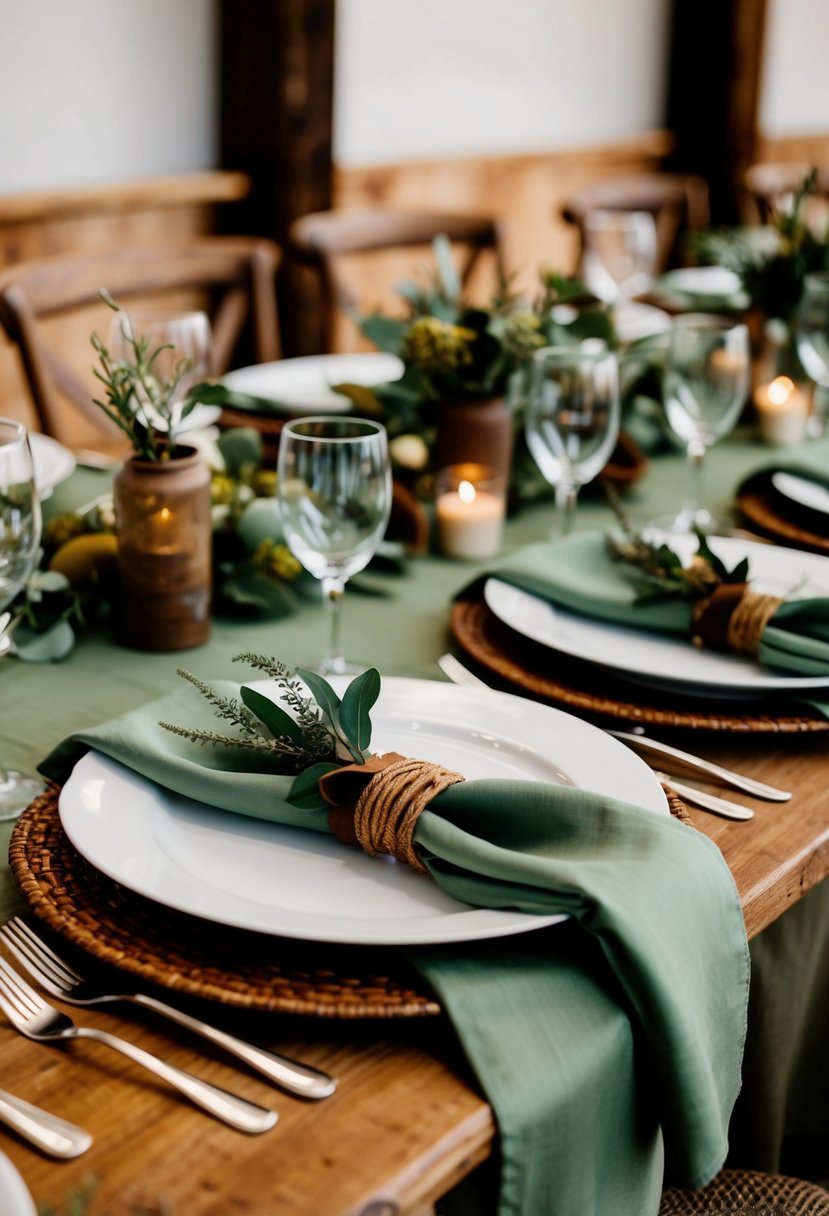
(706, 385)
(812, 336)
(184, 342)
(620, 252)
(334, 492)
(19, 540)
(572, 420)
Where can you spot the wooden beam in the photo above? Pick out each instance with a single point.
(277, 80)
(714, 84)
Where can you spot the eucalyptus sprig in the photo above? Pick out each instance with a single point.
(133, 386)
(309, 731)
(660, 572)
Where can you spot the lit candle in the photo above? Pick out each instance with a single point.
(469, 511)
(782, 410)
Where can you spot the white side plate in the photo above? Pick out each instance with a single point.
(643, 656)
(15, 1199)
(802, 491)
(303, 884)
(304, 384)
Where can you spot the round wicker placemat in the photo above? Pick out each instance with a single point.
(198, 958)
(525, 666)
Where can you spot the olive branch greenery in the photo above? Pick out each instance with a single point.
(310, 732)
(132, 384)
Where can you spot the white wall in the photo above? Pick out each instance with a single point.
(105, 90)
(794, 98)
(424, 78)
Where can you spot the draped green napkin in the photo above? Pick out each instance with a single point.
(608, 1046)
(578, 574)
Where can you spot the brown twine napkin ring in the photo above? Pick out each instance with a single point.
(377, 804)
(733, 618)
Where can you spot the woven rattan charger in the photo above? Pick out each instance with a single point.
(198, 958)
(774, 517)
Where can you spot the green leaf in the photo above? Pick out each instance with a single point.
(356, 705)
(245, 588)
(386, 333)
(276, 719)
(241, 447)
(305, 793)
(448, 277)
(323, 694)
(47, 647)
(740, 572)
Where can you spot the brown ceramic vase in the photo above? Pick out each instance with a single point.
(476, 431)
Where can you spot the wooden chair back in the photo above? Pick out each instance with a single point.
(326, 240)
(770, 188)
(231, 278)
(678, 202)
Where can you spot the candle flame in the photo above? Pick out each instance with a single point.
(780, 390)
(466, 491)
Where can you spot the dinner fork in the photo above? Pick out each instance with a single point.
(455, 670)
(45, 1131)
(62, 981)
(37, 1020)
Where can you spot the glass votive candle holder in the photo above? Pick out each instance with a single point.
(470, 505)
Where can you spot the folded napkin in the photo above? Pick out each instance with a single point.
(578, 574)
(610, 1046)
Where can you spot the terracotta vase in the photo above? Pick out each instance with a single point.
(475, 431)
(162, 519)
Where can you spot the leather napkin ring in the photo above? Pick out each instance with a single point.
(733, 618)
(377, 804)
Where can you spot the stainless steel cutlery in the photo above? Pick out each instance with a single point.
(36, 1019)
(61, 980)
(45, 1131)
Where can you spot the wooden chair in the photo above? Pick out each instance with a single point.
(745, 1193)
(770, 188)
(232, 278)
(325, 241)
(678, 202)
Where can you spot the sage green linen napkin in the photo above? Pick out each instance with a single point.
(578, 574)
(596, 1042)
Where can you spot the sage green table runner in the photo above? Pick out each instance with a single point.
(628, 1037)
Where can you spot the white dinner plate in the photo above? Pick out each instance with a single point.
(304, 884)
(802, 491)
(15, 1199)
(644, 656)
(53, 462)
(702, 281)
(635, 321)
(304, 384)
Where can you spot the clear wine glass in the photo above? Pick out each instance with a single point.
(706, 386)
(184, 341)
(334, 492)
(812, 337)
(19, 540)
(572, 420)
(620, 253)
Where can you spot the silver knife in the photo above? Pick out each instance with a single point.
(708, 802)
(748, 784)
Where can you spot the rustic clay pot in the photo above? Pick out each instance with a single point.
(163, 524)
(480, 432)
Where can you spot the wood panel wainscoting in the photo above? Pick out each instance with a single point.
(146, 211)
(524, 192)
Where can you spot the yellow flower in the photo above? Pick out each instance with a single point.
(522, 335)
(62, 528)
(434, 345)
(276, 560)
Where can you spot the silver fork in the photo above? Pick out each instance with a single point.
(455, 670)
(60, 980)
(35, 1019)
(45, 1131)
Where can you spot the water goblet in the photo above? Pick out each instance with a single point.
(620, 253)
(706, 386)
(334, 492)
(19, 540)
(812, 336)
(181, 341)
(572, 420)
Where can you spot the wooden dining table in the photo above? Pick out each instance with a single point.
(408, 1123)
